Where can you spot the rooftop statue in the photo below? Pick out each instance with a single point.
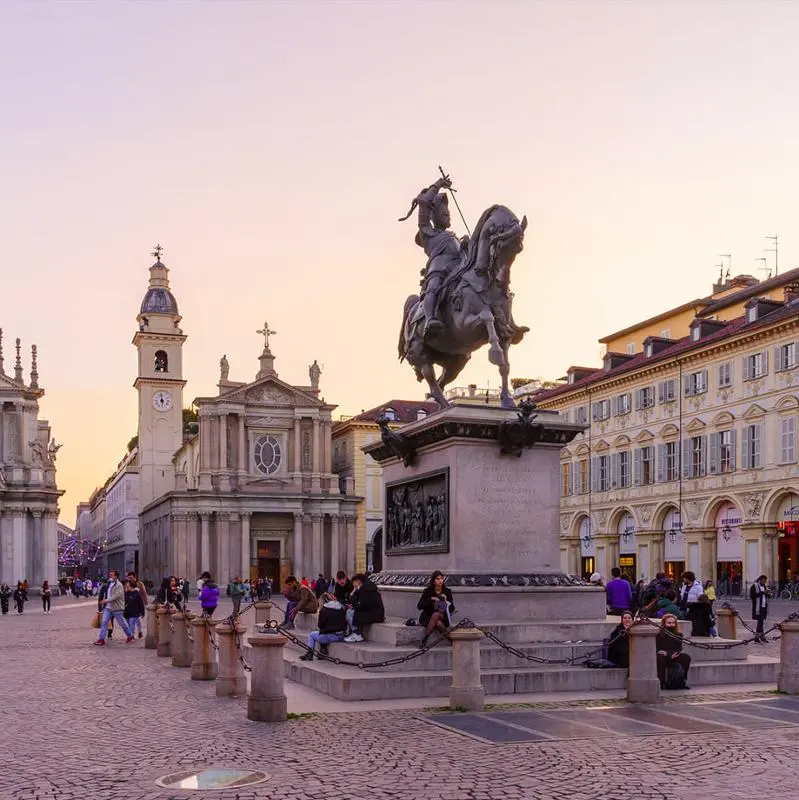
(465, 300)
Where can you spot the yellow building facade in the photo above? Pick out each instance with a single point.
(689, 460)
(363, 475)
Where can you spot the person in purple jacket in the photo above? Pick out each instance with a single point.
(209, 594)
(619, 593)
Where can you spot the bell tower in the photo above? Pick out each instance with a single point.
(159, 342)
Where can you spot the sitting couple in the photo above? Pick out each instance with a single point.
(335, 619)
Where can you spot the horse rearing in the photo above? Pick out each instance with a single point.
(474, 306)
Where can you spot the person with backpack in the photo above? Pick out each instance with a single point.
(209, 595)
(672, 663)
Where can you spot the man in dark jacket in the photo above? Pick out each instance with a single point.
(366, 607)
(343, 588)
(300, 599)
(332, 626)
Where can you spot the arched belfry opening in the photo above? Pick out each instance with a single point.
(161, 361)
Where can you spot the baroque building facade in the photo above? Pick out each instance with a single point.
(28, 490)
(251, 492)
(689, 457)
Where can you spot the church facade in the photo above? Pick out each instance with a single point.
(28, 491)
(248, 491)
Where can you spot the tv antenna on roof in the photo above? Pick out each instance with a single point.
(774, 250)
(765, 267)
(729, 264)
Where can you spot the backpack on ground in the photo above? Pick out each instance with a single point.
(675, 676)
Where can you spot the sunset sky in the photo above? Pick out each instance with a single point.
(270, 148)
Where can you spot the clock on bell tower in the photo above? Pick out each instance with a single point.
(160, 383)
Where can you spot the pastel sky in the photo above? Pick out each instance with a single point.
(270, 148)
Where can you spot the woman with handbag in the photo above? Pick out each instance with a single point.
(436, 607)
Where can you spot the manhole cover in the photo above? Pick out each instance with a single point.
(212, 778)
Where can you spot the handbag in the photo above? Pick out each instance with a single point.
(95, 623)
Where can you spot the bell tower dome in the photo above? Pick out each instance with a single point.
(159, 382)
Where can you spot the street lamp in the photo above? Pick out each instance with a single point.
(587, 540)
(626, 535)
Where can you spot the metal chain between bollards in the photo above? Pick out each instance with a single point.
(237, 639)
(211, 638)
(188, 628)
(737, 615)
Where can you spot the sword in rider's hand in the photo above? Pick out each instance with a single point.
(454, 199)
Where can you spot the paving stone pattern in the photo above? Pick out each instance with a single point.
(88, 723)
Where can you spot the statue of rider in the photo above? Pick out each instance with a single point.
(443, 249)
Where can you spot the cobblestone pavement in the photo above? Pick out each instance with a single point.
(89, 723)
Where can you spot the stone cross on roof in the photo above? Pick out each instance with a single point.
(157, 250)
(266, 333)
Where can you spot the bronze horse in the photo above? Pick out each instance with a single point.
(474, 307)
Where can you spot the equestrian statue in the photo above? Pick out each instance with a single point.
(465, 300)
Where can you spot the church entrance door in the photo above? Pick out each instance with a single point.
(267, 564)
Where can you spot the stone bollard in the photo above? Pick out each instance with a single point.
(203, 662)
(788, 675)
(266, 701)
(467, 689)
(181, 646)
(643, 684)
(164, 645)
(151, 637)
(231, 680)
(263, 612)
(727, 624)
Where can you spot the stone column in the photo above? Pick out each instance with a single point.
(37, 570)
(297, 446)
(727, 624)
(266, 701)
(707, 555)
(164, 643)
(467, 688)
(205, 454)
(19, 562)
(224, 466)
(181, 646)
(296, 546)
(50, 566)
(316, 486)
(352, 533)
(151, 617)
(245, 545)
(203, 662)
(178, 558)
(205, 542)
(263, 612)
(231, 680)
(335, 551)
(223, 574)
(6, 547)
(242, 445)
(769, 555)
(788, 675)
(643, 685)
(317, 552)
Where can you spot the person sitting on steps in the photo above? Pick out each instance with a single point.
(619, 644)
(436, 607)
(300, 600)
(332, 626)
(366, 607)
(669, 649)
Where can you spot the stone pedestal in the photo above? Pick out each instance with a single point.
(467, 688)
(181, 647)
(151, 619)
(643, 685)
(788, 676)
(203, 662)
(164, 641)
(489, 520)
(263, 612)
(266, 701)
(230, 680)
(727, 624)
(306, 622)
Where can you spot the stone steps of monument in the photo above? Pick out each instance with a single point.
(351, 683)
(395, 633)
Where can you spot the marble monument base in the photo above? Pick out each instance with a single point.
(480, 501)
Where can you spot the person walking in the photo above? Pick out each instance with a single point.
(209, 595)
(113, 608)
(46, 597)
(5, 596)
(20, 597)
(236, 592)
(134, 608)
(759, 595)
(619, 593)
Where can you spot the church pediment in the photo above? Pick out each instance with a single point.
(754, 411)
(272, 392)
(9, 386)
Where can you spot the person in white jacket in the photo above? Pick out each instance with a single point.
(691, 589)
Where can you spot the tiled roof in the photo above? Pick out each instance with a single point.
(751, 291)
(407, 410)
(680, 347)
